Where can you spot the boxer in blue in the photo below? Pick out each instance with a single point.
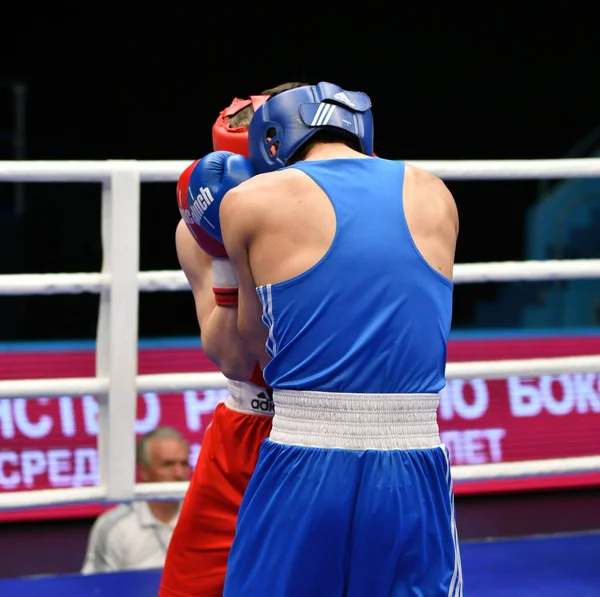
(344, 263)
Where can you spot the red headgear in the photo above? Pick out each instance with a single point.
(236, 140)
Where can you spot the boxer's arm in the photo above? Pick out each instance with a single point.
(238, 222)
(432, 218)
(218, 325)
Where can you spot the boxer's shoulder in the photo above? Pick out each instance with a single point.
(422, 177)
(419, 184)
(261, 193)
(267, 183)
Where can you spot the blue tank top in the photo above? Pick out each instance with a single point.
(372, 316)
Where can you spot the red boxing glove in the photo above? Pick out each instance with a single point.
(225, 284)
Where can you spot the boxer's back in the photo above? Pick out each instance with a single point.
(352, 259)
(357, 293)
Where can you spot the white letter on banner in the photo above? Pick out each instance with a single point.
(194, 451)
(152, 418)
(562, 405)
(13, 479)
(7, 424)
(446, 410)
(67, 416)
(33, 463)
(196, 406)
(452, 399)
(90, 414)
(27, 427)
(494, 437)
(480, 402)
(524, 399)
(59, 468)
(474, 446)
(586, 397)
(84, 474)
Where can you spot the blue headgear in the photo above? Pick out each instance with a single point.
(292, 117)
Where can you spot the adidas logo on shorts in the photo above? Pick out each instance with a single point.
(263, 402)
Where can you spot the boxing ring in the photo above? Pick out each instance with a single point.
(488, 567)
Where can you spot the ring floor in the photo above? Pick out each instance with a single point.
(545, 566)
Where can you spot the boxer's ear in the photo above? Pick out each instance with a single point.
(273, 148)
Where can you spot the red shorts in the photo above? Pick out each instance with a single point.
(196, 560)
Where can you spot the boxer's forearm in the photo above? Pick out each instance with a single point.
(223, 345)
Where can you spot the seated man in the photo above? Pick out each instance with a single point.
(136, 535)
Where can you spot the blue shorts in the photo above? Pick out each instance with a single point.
(322, 522)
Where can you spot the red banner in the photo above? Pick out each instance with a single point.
(51, 443)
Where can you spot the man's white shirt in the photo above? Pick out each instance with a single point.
(127, 537)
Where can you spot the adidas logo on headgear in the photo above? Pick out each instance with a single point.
(342, 97)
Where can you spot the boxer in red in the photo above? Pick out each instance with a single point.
(197, 556)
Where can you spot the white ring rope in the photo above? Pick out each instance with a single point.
(174, 280)
(121, 185)
(179, 382)
(176, 490)
(169, 171)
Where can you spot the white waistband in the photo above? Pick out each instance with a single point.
(246, 397)
(356, 421)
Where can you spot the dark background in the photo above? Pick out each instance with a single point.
(102, 85)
